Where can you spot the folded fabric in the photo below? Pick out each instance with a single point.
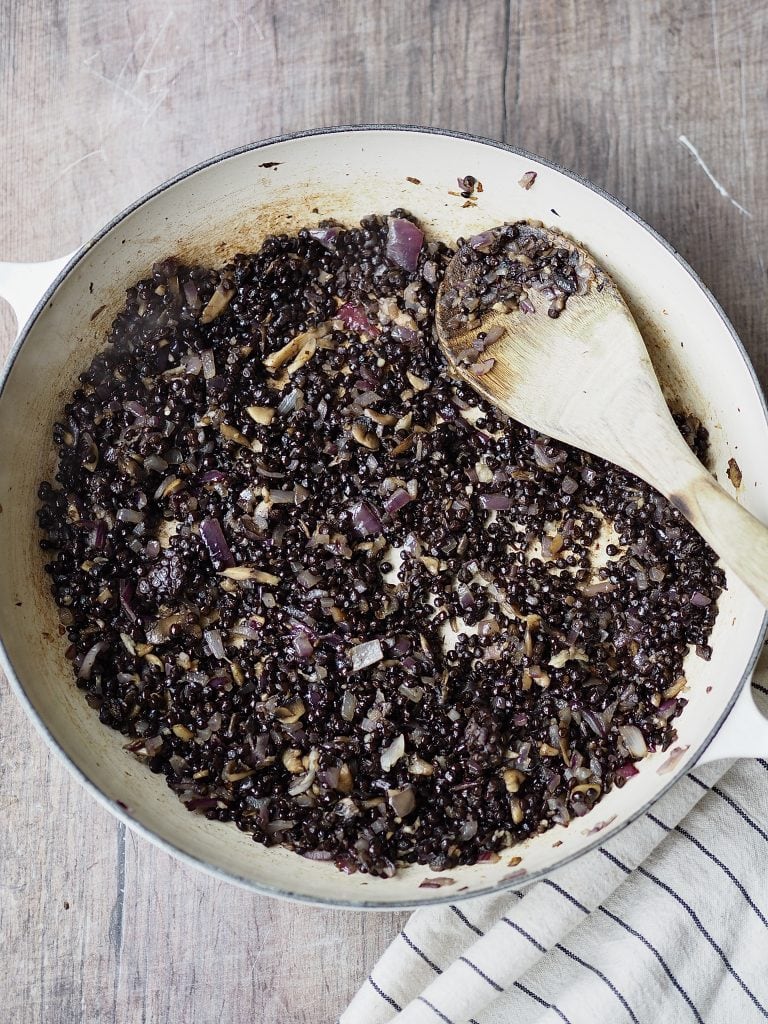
(666, 922)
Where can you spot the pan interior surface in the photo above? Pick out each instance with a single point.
(230, 206)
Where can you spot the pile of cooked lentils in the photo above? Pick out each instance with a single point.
(332, 595)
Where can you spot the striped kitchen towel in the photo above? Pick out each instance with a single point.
(666, 922)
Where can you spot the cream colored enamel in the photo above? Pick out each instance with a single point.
(231, 205)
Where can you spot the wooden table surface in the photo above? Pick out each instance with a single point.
(661, 103)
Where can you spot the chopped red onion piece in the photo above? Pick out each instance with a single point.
(153, 745)
(303, 783)
(405, 335)
(496, 502)
(367, 399)
(325, 236)
(348, 706)
(329, 777)
(279, 825)
(282, 497)
(547, 462)
(249, 628)
(402, 801)
(468, 830)
(201, 803)
(357, 320)
(193, 364)
(404, 242)
(667, 709)
(136, 409)
(601, 587)
(700, 600)
(392, 754)
(363, 655)
(273, 474)
(215, 542)
(633, 740)
(436, 883)
(209, 363)
(397, 500)
(219, 682)
(84, 672)
(307, 579)
(99, 535)
(402, 645)
(412, 545)
(155, 464)
(215, 643)
(595, 722)
(527, 180)
(483, 241)
(365, 520)
(488, 627)
(482, 367)
(191, 295)
(293, 401)
(317, 855)
(126, 589)
(303, 645)
(626, 770)
(130, 515)
(414, 693)
(675, 754)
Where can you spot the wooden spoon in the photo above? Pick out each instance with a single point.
(585, 378)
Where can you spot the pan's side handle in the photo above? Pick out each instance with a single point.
(22, 285)
(744, 733)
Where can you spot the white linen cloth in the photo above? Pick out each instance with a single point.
(666, 923)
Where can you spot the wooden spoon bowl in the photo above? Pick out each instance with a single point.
(577, 370)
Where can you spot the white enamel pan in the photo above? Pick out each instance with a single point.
(229, 205)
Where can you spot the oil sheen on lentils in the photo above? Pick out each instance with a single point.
(328, 592)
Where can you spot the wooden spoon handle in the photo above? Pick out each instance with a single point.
(648, 443)
(736, 535)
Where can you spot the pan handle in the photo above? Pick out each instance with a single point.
(22, 285)
(744, 733)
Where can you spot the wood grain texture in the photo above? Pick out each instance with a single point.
(100, 101)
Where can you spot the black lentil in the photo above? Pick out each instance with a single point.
(256, 557)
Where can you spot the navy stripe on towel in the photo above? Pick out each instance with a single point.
(542, 1002)
(466, 921)
(716, 860)
(603, 977)
(435, 1010)
(387, 999)
(517, 984)
(513, 924)
(583, 963)
(635, 934)
(731, 803)
(409, 942)
(483, 975)
(695, 918)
